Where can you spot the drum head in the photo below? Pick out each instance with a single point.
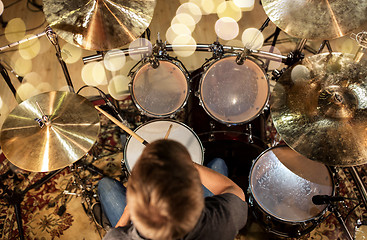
(159, 92)
(232, 93)
(283, 183)
(157, 129)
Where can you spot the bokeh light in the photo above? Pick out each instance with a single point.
(300, 73)
(274, 63)
(175, 30)
(22, 66)
(184, 18)
(32, 78)
(1, 7)
(1, 102)
(245, 5)
(44, 87)
(226, 28)
(252, 38)
(140, 48)
(118, 87)
(191, 9)
(27, 90)
(29, 49)
(114, 60)
(229, 9)
(187, 48)
(15, 30)
(94, 74)
(235, 43)
(71, 53)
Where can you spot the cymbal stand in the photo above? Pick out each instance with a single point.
(322, 46)
(333, 208)
(16, 196)
(359, 183)
(51, 35)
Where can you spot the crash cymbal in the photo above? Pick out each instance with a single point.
(322, 20)
(98, 24)
(49, 131)
(319, 108)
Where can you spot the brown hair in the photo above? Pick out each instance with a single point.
(164, 193)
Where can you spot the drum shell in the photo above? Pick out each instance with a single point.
(280, 225)
(172, 82)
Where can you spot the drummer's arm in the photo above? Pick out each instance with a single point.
(124, 219)
(218, 183)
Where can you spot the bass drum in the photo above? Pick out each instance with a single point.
(282, 184)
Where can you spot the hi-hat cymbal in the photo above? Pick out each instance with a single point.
(319, 108)
(49, 131)
(98, 24)
(322, 20)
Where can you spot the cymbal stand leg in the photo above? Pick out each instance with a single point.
(51, 35)
(338, 216)
(18, 215)
(323, 44)
(360, 185)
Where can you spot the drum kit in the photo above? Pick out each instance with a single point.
(318, 106)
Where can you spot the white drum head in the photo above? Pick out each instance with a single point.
(159, 92)
(232, 93)
(283, 183)
(157, 129)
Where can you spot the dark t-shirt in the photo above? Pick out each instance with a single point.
(223, 216)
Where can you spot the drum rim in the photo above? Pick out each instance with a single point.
(161, 120)
(149, 113)
(199, 90)
(316, 217)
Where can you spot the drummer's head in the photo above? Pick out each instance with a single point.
(164, 193)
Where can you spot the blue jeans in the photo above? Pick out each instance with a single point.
(112, 193)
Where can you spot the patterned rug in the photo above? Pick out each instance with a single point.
(60, 207)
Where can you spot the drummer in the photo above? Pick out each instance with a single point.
(164, 198)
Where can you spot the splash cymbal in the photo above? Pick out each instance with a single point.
(316, 20)
(49, 131)
(319, 108)
(98, 24)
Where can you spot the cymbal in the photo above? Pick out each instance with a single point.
(319, 108)
(98, 24)
(49, 131)
(316, 20)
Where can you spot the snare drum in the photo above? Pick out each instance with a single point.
(232, 93)
(157, 129)
(161, 91)
(282, 184)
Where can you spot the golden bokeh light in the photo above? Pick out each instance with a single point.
(140, 48)
(300, 73)
(118, 87)
(15, 30)
(184, 45)
(245, 5)
(191, 9)
(94, 74)
(27, 90)
(226, 28)
(29, 49)
(229, 9)
(175, 30)
(114, 60)
(22, 66)
(186, 19)
(71, 53)
(252, 39)
(1, 7)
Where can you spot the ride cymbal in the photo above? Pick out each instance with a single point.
(98, 24)
(316, 20)
(49, 131)
(319, 108)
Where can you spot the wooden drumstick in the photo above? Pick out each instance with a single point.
(168, 132)
(126, 129)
